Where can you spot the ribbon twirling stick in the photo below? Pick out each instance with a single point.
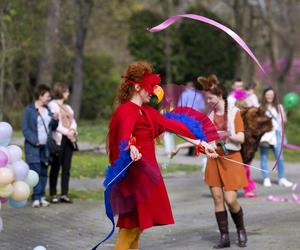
(244, 164)
(127, 166)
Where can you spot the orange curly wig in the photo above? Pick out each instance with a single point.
(135, 72)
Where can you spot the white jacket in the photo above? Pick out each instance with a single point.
(269, 138)
(61, 130)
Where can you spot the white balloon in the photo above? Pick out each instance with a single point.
(5, 133)
(39, 248)
(32, 178)
(20, 169)
(15, 153)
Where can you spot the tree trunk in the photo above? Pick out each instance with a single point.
(244, 27)
(46, 64)
(278, 38)
(167, 7)
(85, 9)
(2, 70)
(248, 74)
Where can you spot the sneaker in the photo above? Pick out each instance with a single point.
(65, 199)
(284, 182)
(36, 204)
(267, 182)
(54, 199)
(44, 202)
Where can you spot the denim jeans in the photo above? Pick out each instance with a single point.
(264, 157)
(42, 171)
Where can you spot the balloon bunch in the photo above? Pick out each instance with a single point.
(15, 177)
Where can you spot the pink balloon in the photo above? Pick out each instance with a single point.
(3, 200)
(20, 169)
(3, 159)
(5, 150)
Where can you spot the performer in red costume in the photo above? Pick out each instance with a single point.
(139, 198)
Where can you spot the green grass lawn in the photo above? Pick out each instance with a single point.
(93, 131)
(173, 168)
(288, 154)
(91, 165)
(292, 128)
(86, 194)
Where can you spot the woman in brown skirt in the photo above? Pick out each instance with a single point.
(223, 176)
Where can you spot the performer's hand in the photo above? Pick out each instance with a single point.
(209, 150)
(174, 151)
(135, 154)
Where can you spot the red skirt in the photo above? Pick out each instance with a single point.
(150, 205)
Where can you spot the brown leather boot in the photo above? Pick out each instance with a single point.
(241, 231)
(242, 237)
(222, 220)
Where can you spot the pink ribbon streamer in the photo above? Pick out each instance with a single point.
(203, 19)
(292, 146)
(277, 199)
(296, 197)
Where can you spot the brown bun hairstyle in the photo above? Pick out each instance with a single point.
(212, 85)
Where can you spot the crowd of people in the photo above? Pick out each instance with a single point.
(50, 130)
(140, 198)
(270, 140)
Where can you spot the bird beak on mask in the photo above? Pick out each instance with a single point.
(158, 92)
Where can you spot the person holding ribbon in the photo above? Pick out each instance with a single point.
(137, 194)
(225, 175)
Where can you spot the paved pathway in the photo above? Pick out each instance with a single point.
(78, 226)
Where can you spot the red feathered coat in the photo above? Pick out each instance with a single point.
(147, 192)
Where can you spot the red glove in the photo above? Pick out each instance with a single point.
(132, 142)
(200, 149)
